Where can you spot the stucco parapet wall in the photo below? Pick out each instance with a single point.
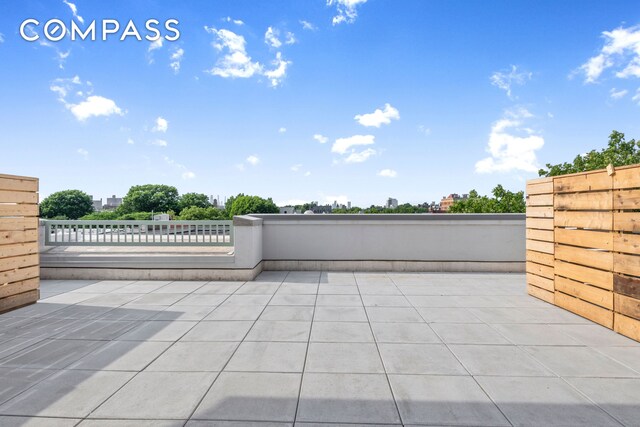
(247, 221)
(470, 218)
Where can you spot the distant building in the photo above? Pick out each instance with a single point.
(97, 204)
(112, 203)
(446, 202)
(348, 205)
(391, 203)
(287, 210)
(161, 217)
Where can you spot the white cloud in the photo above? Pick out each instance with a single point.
(282, 130)
(240, 167)
(95, 106)
(159, 143)
(236, 63)
(307, 173)
(621, 49)
(346, 10)
(617, 94)
(279, 72)
(253, 160)
(176, 59)
(359, 157)
(60, 55)
(188, 175)
(342, 145)
(155, 45)
(306, 25)
(1, 38)
(378, 117)
(636, 97)
(291, 202)
(74, 10)
(424, 130)
(290, 38)
(320, 138)
(388, 173)
(84, 153)
(271, 37)
(161, 125)
(505, 79)
(511, 146)
(235, 21)
(130, 141)
(296, 168)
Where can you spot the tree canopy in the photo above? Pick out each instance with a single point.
(618, 152)
(188, 200)
(67, 204)
(150, 198)
(503, 201)
(243, 204)
(196, 213)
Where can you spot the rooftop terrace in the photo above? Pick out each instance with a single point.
(308, 347)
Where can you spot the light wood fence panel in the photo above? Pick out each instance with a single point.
(19, 258)
(589, 258)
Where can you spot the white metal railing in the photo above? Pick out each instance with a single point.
(138, 233)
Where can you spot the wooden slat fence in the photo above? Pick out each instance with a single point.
(596, 246)
(19, 260)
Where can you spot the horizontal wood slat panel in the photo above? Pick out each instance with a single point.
(587, 257)
(19, 300)
(537, 245)
(18, 210)
(626, 285)
(600, 278)
(596, 201)
(540, 223)
(585, 309)
(626, 199)
(18, 287)
(540, 282)
(628, 306)
(627, 178)
(540, 187)
(7, 224)
(584, 182)
(540, 211)
(540, 200)
(544, 235)
(540, 258)
(585, 238)
(592, 220)
(626, 264)
(19, 274)
(17, 197)
(540, 270)
(627, 243)
(540, 293)
(627, 326)
(626, 221)
(9, 237)
(18, 249)
(17, 262)
(18, 184)
(597, 296)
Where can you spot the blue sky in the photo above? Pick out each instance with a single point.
(313, 100)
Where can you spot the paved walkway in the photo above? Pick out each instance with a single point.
(310, 348)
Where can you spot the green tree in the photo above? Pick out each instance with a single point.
(150, 198)
(193, 199)
(103, 215)
(67, 204)
(503, 201)
(196, 213)
(243, 205)
(618, 152)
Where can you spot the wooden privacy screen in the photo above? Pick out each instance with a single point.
(583, 245)
(19, 263)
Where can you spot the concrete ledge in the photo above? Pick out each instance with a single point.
(89, 273)
(389, 217)
(405, 266)
(246, 221)
(139, 261)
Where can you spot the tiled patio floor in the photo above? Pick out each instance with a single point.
(311, 348)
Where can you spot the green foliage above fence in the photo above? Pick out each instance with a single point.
(67, 204)
(503, 201)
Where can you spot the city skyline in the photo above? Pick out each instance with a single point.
(339, 100)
